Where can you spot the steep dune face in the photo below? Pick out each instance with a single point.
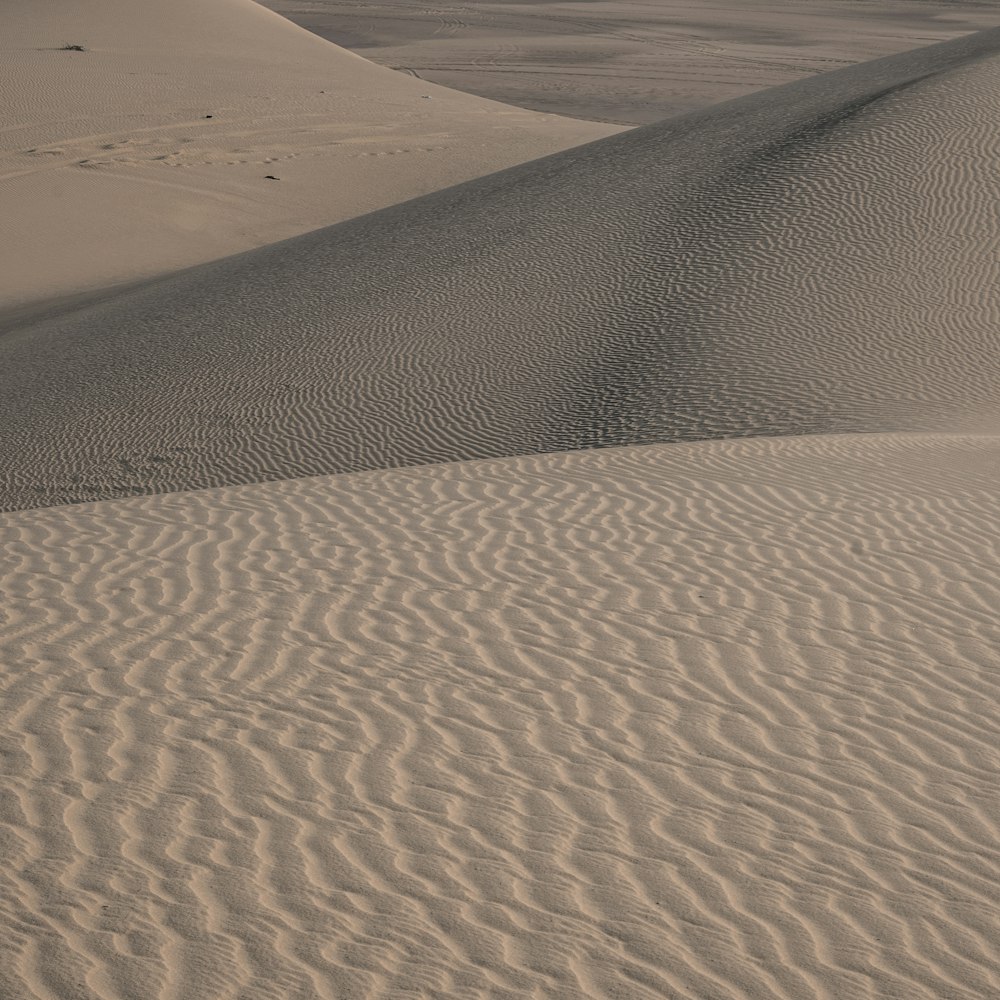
(151, 150)
(816, 258)
(713, 720)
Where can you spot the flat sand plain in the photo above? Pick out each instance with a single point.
(716, 720)
(809, 259)
(633, 61)
(154, 149)
(707, 719)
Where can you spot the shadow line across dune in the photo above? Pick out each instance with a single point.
(809, 259)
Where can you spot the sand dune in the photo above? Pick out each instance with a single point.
(150, 151)
(814, 259)
(715, 720)
(634, 61)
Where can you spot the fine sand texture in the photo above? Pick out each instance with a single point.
(634, 61)
(193, 129)
(715, 721)
(817, 258)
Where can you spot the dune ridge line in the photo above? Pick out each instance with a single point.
(804, 261)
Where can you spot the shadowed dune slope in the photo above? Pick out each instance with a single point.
(711, 720)
(816, 258)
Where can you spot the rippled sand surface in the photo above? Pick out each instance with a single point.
(712, 720)
(808, 260)
(712, 714)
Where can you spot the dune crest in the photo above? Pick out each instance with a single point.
(814, 259)
(717, 720)
(154, 146)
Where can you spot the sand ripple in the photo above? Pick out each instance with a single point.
(818, 258)
(693, 721)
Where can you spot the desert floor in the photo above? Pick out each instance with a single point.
(629, 61)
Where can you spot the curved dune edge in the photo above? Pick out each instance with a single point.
(150, 151)
(815, 259)
(628, 61)
(714, 720)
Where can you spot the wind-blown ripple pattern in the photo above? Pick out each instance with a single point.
(687, 721)
(816, 258)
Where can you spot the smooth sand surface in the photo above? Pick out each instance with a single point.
(150, 151)
(813, 259)
(716, 721)
(633, 61)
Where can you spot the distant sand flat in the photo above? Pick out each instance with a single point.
(151, 150)
(717, 720)
(634, 61)
(817, 258)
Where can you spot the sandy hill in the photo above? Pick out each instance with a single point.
(716, 720)
(713, 720)
(811, 259)
(150, 150)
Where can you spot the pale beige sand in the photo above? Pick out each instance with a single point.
(716, 720)
(630, 60)
(110, 169)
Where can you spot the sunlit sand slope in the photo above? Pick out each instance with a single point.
(716, 720)
(158, 146)
(816, 258)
